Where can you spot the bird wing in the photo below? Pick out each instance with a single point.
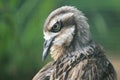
(110, 73)
(93, 69)
(44, 73)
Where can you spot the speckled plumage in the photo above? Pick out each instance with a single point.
(76, 56)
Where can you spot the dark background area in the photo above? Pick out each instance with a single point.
(21, 36)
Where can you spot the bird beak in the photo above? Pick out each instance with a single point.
(47, 45)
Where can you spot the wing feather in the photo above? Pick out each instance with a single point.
(44, 73)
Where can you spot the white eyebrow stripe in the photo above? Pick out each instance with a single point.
(49, 35)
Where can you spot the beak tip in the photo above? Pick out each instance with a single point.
(46, 50)
(43, 57)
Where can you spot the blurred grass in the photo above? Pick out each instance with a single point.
(21, 36)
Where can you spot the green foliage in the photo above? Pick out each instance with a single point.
(21, 36)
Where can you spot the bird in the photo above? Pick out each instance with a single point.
(76, 56)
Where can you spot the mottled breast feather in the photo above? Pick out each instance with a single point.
(87, 64)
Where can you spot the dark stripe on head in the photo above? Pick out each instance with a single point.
(60, 11)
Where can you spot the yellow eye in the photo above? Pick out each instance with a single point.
(56, 27)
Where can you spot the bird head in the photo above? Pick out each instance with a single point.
(65, 30)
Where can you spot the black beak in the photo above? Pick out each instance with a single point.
(47, 45)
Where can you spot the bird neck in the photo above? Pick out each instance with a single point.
(83, 51)
(71, 59)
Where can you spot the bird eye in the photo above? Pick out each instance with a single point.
(56, 27)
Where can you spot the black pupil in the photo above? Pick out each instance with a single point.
(56, 27)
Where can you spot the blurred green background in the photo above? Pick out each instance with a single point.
(21, 37)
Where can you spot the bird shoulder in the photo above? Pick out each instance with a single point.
(44, 73)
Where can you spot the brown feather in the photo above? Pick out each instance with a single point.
(81, 66)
